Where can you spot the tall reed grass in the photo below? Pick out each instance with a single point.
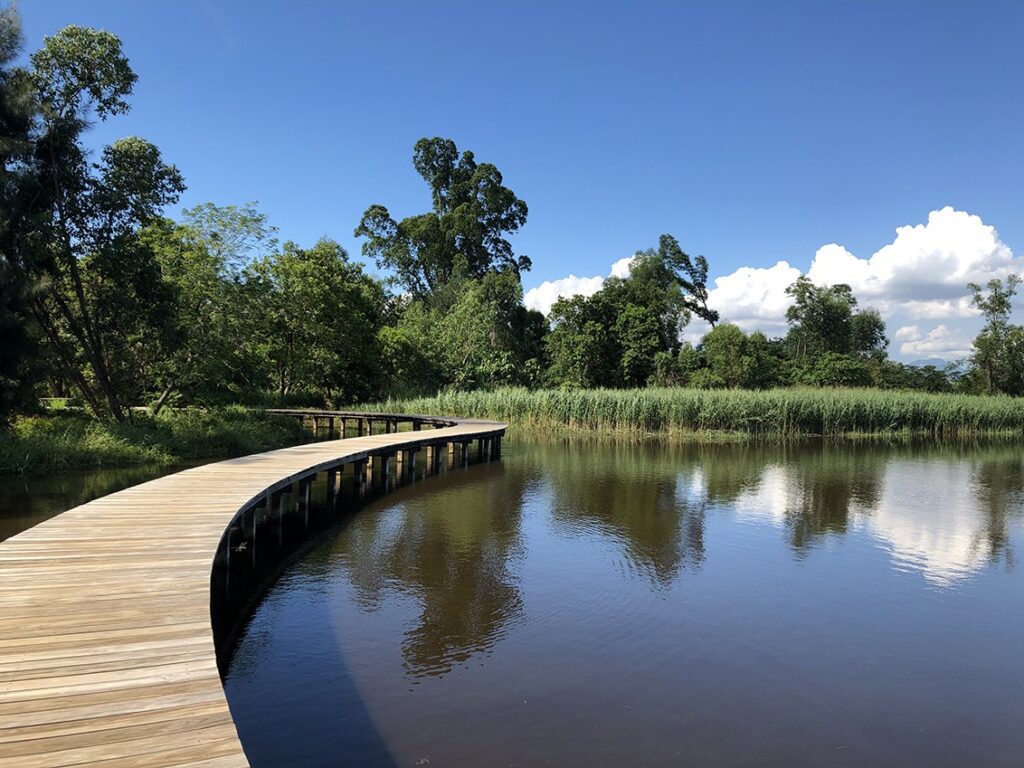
(703, 413)
(35, 444)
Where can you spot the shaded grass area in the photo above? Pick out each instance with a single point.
(727, 415)
(36, 444)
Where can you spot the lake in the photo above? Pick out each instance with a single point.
(587, 603)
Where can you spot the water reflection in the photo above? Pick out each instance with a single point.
(610, 604)
(943, 512)
(453, 555)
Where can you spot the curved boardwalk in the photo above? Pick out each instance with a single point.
(106, 649)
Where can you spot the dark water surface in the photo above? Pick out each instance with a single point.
(586, 604)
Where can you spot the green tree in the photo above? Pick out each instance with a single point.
(820, 318)
(318, 316)
(997, 349)
(867, 334)
(463, 236)
(725, 349)
(98, 296)
(617, 336)
(832, 369)
(484, 338)
(17, 340)
(692, 274)
(581, 347)
(203, 258)
(825, 319)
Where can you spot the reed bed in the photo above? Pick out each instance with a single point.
(703, 413)
(46, 443)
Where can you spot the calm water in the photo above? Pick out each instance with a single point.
(595, 605)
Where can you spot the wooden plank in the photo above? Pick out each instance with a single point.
(107, 656)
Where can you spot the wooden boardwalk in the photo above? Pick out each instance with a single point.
(106, 650)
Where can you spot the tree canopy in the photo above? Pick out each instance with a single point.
(463, 236)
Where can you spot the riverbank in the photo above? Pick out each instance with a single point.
(36, 444)
(728, 415)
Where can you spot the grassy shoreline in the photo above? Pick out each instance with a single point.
(45, 443)
(702, 415)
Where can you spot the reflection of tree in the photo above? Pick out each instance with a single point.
(999, 479)
(631, 493)
(830, 480)
(451, 550)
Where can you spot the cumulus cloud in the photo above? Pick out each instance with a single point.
(940, 341)
(917, 281)
(547, 293)
(622, 267)
(754, 298)
(920, 276)
(923, 271)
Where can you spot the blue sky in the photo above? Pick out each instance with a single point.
(755, 132)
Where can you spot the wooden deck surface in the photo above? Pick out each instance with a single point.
(106, 649)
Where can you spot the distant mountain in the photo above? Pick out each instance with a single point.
(938, 362)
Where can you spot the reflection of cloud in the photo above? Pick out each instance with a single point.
(771, 499)
(928, 516)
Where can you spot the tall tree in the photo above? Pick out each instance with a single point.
(998, 348)
(826, 319)
(203, 258)
(16, 113)
(692, 274)
(463, 236)
(614, 337)
(319, 315)
(101, 302)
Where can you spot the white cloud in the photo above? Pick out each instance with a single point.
(622, 267)
(547, 293)
(920, 276)
(755, 297)
(941, 341)
(923, 271)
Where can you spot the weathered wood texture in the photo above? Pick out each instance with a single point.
(106, 650)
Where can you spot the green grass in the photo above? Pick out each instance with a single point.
(713, 414)
(45, 443)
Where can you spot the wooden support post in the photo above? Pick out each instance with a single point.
(359, 476)
(360, 423)
(497, 447)
(416, 425)
(277, 499)
(307, 493)
(464, 457)
(412, 461)
(254, 516)
(434, 458)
